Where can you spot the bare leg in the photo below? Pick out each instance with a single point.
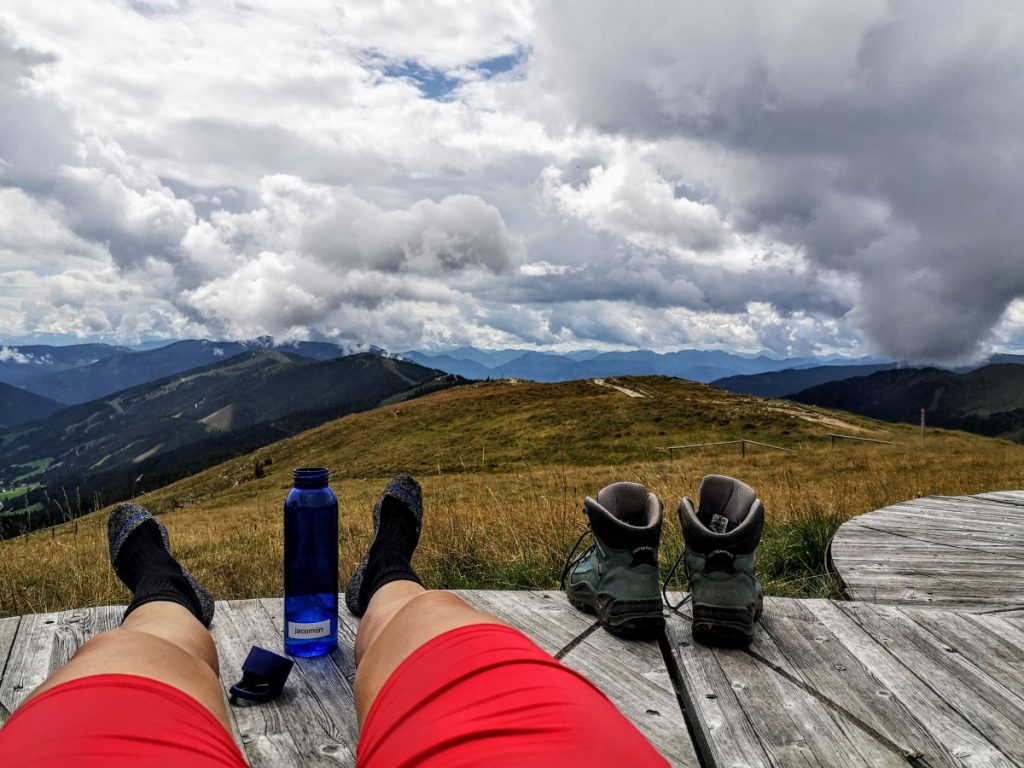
(159, 640)
(401, 617)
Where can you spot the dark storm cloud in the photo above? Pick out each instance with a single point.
(886, 141)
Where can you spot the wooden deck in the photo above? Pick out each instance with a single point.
(825, 683)
(829, 683)
(314, 721)
(926, 669)
(960, 552)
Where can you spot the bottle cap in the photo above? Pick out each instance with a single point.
(264, 674)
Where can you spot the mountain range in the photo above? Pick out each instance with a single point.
(80, 373)
(697, 365)
(23, 366)
(146, 436)
(72, 375)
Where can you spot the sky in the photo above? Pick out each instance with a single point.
(791, 177)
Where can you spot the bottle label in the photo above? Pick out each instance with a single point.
(297, 631)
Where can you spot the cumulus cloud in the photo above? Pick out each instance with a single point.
(9, 355)
(317, 257)
(628, 198)
(547, 174)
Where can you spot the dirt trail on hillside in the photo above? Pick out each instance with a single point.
(818, 418)
(623, 390)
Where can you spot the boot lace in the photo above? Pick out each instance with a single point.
(569, 562)
(668, 580)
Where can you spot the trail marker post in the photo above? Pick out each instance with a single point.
(922, 426)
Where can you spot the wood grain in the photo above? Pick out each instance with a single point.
(830, 683)
(313, 722)
(8, 630)
(957, 552)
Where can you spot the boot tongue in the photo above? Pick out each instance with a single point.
(626, 502)
(724, 502)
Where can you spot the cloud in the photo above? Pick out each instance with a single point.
(628, 198)
(318, 257)
(541, 174)
(884, 146)
(10, 355)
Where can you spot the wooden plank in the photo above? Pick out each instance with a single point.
(950, 513)
(804, 696)
(939, 719)
(882, 726)
(8, 630)
(633, 676)
(313, 722)
(725, 735)
(965, 552)
(981, 700)
(980, 641)
(1015, 498)
(875, 690)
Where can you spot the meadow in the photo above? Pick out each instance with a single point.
(505, 467)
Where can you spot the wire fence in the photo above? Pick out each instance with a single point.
(742, 443)
(833, 436)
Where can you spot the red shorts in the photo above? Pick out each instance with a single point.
(487, 695)
(116, 720)
(477, 695)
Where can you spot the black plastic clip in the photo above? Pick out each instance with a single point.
(263, 676)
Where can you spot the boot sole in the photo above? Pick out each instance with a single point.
(628, 619)
(724, 625)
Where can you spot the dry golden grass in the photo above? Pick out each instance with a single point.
(506, 520)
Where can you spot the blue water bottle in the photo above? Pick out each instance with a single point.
(310, 565)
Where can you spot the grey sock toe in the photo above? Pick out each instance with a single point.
(123, 520)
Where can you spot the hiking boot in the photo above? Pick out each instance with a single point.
(616, 579)
(720, 540)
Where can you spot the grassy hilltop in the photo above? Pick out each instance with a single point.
(505, 466)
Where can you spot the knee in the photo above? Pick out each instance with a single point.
(436, 600)
(131, 644)
(114, 641)
(134, 652)
(125, 644)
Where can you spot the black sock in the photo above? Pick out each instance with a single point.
(389, 557)
(151, 572)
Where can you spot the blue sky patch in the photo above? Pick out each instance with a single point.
(433, 83)
(500, 64)
(438, 84)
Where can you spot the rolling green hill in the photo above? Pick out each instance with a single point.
(19, 406)
(988, 401)
(505, 466)
(783, 383)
